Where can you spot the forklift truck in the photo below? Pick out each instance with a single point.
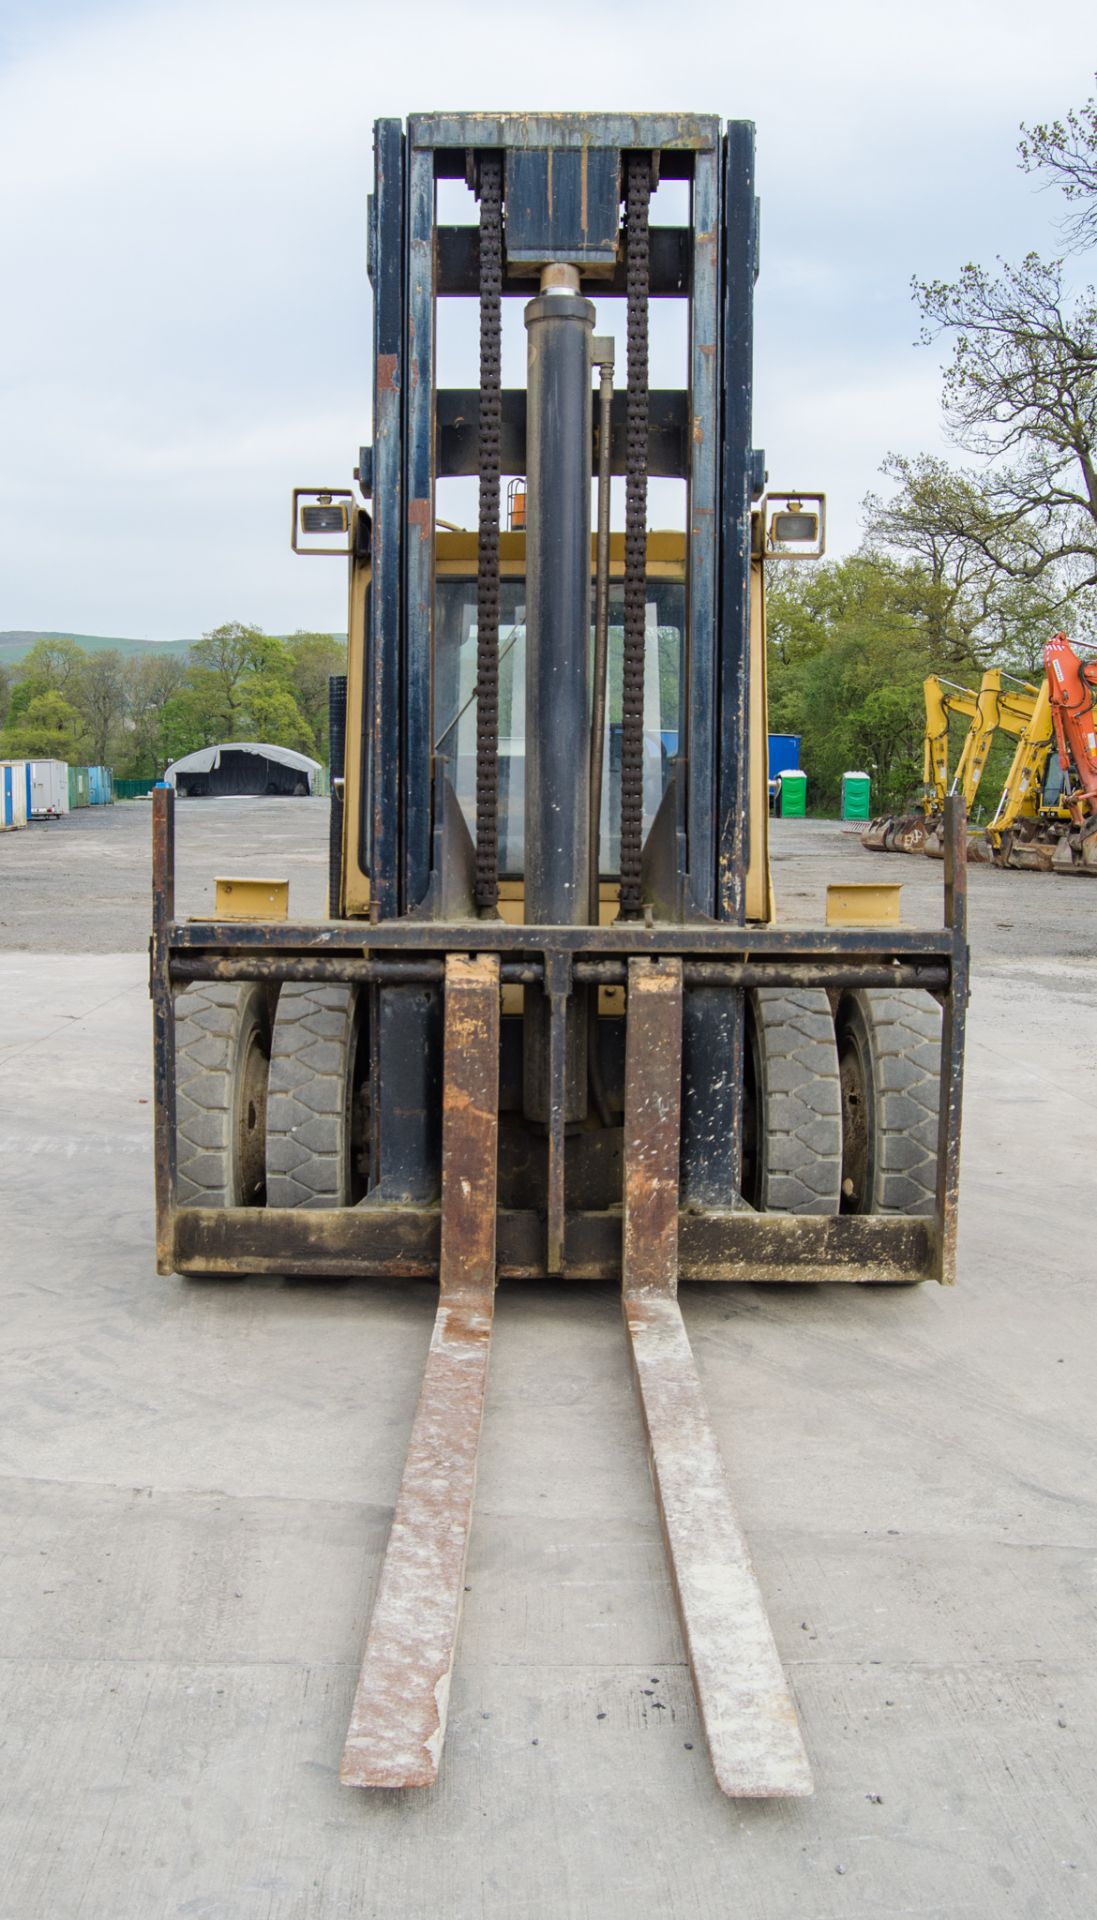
(549, 1030)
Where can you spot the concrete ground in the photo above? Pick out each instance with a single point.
(198, 1481)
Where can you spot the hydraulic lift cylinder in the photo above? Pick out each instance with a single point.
(560, 326)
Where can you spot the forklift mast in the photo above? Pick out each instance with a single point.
(550, 194)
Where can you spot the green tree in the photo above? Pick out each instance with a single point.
(5, 693)
(848, 652)
(47, 729)
(313, 658)
(275, 716)
(188, 721)
(53, 665)
(227, 656)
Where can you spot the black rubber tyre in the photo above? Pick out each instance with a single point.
(317, 1128)
(792, 1157)
(222, 1063)
(889, 1056)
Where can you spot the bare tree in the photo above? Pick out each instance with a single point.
(1065, 153)
(151, 680)
(972, 607)
(1021, 391)
(100, 697)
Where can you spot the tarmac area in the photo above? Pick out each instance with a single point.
(198, 1479)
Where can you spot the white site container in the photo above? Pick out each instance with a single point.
(47, 788)
(13, 794)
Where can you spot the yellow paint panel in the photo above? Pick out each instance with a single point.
(241, 899)
(863, 903)
(455, 555)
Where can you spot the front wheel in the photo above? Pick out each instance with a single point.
(889, 1056)
(222, 1064)
(318, 1115)
(792, 1121)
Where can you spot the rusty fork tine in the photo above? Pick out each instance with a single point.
(744, 1700)
(398, 1721)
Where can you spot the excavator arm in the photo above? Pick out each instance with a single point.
(997, 711)
(942, 698)
(1071, 682)
(1021, 795)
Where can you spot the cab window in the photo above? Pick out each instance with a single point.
(455, 705)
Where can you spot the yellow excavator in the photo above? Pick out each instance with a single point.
(990, 710)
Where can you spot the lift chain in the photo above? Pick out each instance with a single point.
(487, 573)
(636, 512)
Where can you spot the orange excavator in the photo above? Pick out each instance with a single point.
(1071, 684)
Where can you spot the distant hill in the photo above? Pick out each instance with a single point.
(14, 644)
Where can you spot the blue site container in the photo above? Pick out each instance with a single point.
(784, 757)
(101, 785)
(13, 794)
(784, 753)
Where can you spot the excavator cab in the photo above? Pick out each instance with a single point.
(550, 1030)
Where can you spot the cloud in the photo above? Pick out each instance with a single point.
(186, 332)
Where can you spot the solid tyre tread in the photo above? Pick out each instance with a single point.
(208, 1020)
(905, 1045)
(799, 1099)
(308, 1117)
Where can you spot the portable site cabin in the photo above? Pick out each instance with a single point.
(101, 785)
(243, 766)
(47, 789)
(79, 788)
(13, 795)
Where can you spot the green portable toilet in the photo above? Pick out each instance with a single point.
(855, 796)
(794, 794)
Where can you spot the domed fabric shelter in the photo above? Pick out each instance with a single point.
(243, 766)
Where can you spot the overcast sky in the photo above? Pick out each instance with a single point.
(185, 319)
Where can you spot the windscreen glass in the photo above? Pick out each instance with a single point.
(455, 705)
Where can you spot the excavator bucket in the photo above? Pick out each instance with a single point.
(912, 834)
(875, 834)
